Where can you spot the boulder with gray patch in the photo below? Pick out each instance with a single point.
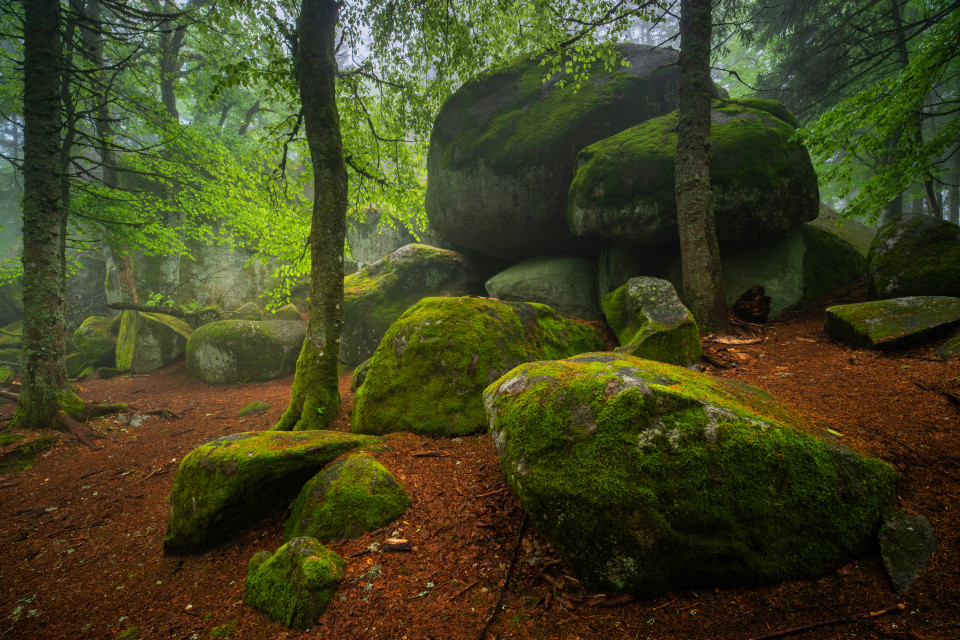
(906, 544)
(230, 351)
(148, 341)
(567, 284)
(914, 255)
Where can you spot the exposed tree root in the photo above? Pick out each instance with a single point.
(78, 430)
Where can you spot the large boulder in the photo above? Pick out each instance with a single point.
(650, 322)
(224, 485)
(914, 255)
(648, 478)
(428, 374)
(763, 184)
(373, 235)
(95, 341)
(351, 496)
(245, 350)
(148, 341)
(503, 148)
(294, 585)
(892, 324)
(378, 294)
(568, 284)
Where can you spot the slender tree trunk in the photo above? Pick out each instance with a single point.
(700, 256)
(953, 193)
(315, 395)
(45, 390)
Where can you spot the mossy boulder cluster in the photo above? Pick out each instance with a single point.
(915, 255)
(231, 351)
(428, 374)
(648, 478)
(378, 294)
(567, 284)
(892, 324)
(95, 341)
(650, 322)
(236, 480)
(148, 341)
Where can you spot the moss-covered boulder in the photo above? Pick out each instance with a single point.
(352, 496)
(95, 341)
(429, 372)
(287, 312)
(567, 284)
(254, 408)
(78, 367)
(854, 232)
(373, 235)
(914, 255)
(9, 364)
(247, 311)
(148, 341)
(231, 351)
(647, 478)
(650, 322)
(503, 148)
(892, 324)
(11, 336)
(294, 585)
(359, 375)
(378, 294)
(235, 480)
(763, 183)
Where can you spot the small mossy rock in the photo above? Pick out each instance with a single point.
(11, 302)
(95, 341)
(359, 375)
(914, 255)
(78, 367)
(248, 311)
(255, 407)
(648, 478)
(288, 312)
(949, 349)
(148, 341)
(105, 373)
(503, 148)
(650, 322)
(894, 324)
(567, 284)
(224, 485)
(429, 372)
(763, 182)
(294, 585)
(350, 497)
(231, 351)
(375, 296)
(11, 337)
(906, 544)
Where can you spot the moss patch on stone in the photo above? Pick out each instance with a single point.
(567, 284)
(235, 480)
(231, 351)
(148, 341)
(95, 341)
(351, 496)
(253, 408)
(914, 255)
(892, 324)
(829, 262)
(428, 374)
(294, 585)
(648, 478)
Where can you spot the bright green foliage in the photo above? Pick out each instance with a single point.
(894, 323)
(647, 478)
(235, 480)
(294, 585)
(428, 374)
(352, 496)
(244, 350)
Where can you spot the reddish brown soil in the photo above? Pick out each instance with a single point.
(81, 531)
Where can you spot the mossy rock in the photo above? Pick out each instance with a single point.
(359, 375)
(105, 373)
(375, 296)
(648, 478)
(854, 232)
(763, 182)
(236, 480)
(294, 585)
(567, 284)
(288, 312)
(23, 455)
(373, 235)
(351, 496)
(650, 322)
(914, 255)
(248, 311)
(253, 408)
(11, 302)
(11, 337)
(9, 364)
(892, 324)
(148, 341)
(950, 348)
(503, 148)
(906, 544)
(78, 367)
(428, 374)
(232, 351)
(94, 340)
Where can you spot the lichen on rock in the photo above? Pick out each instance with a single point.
(914, 255)
(94, 340)
(894, 323)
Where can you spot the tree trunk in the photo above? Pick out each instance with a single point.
(700, 256)
(44, 387)
(315, 395)
(953, 197)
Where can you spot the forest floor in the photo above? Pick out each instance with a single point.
(81, 531)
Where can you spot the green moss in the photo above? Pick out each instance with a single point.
(95, 341)
(231, 351)
(915, 255)
(294, 585)
(429, 372)
(257, 406)
(287, 312)
(829, 262)
(12, 335)
(22, 456)
(892, 324)
(9, 438)
(647, 477)
(354, 495)
(127, 339)
(231, 482)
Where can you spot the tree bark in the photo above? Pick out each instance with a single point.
(45, 389)
(315, 396)
(953, 191)
(699, 253)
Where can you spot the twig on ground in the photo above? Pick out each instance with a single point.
(826, 623)
(465, 589)
(506, 581)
